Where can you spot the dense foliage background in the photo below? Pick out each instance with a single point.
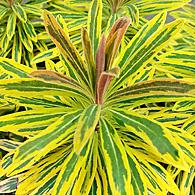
(97, 97)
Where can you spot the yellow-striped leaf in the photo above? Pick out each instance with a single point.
(88, 54)
(31, 87)
(38, 146)
(43, 173)
(65, 46)
(147, 7)
(8, 185)
(145, 45)
(115, 159)
(8, 145)
(158, 90)
(70, 170)
(46, 55)
(3, 12)
(94, 24)
(86, 126)
(29, 30)
(179, 63)
(20, 12)
(17, 48)
(28, 123)
(25, 40)
(11, 25)
(153, 133)
(133, 12)
(14, 69)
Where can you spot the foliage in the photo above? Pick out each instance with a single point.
(100, 128)
(74, 13)
(21, 31)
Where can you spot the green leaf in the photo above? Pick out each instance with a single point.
(65, 46)
(144, 46)
(86, 126)
(30, 31)
(133, 12)
(153, 133)
(46, 55)
(11, 25)
(27, 123)
(30, 87)
(43, 173)
(147, 7)
(8, 145)
(179, 63)
(3, 12)
(25, 40)
(70, 170)
(20, 12)
(88, 54)
(115, 159)
(38, 146)
(17, 48)
(94, 24)
(157, 90)
(14, 69)
(137, 181)
(8, 185)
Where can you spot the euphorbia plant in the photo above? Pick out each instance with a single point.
(86, 133)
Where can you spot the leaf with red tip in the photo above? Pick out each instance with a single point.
(100, 57)
(114, 39)
(103, 82)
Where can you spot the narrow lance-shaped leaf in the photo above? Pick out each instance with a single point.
(3, 12)
(92, 167)
(133, 12)
(103, 83)
(137, 181)
(29, 122)
(158, 85)
(8, 185)
(41, 144)
(8, 145)
(88, 54)
(14, 69)
(4, 42)
(70, 170)
(49, 75)
(147, 7)
(100, 57)
(157, 136)
(31, 87)
(30, 31)
(46, 55)
(20, 12)
(94, 24)
(25, 40)
(151, 36)
(86, 126)
(17, 48)
(177, 62)
(11, 25)
(44, 170)
(114, 39)
(64, 44)
(115, 159)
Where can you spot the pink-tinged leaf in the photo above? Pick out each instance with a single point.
(114, 39)
(103, 83)
(64, 44)
(49, 75)
(100, 57)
